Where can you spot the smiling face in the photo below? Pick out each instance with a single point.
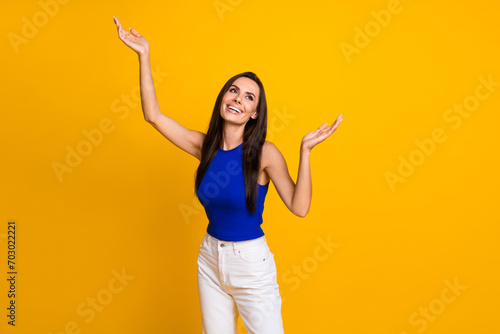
(239, 103)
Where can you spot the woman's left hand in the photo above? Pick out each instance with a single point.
(317, 136)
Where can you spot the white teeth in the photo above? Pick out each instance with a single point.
(233, 108)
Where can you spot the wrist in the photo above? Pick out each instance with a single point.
(143, 55)
(305, 150)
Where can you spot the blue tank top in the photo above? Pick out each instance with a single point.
(222, 194)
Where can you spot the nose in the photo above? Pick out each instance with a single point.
(237, 99)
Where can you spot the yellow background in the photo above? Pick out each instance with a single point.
(120, 207)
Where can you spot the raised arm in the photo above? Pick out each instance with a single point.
(297, 197)
(188, 140)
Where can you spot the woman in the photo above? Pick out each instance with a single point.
(236, 269)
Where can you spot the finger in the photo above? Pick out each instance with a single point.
(122, 32)
(322, 127)
(334, 126)
(330, 130)
(135, 32)
(325, 133)
(336, 123)
(318, 129)
(330, 127)
(117, 22)
(118, 26)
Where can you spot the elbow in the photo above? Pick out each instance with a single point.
(149, 120)
(153, 118)
(301, 214)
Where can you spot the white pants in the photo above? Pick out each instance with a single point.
(238, 277)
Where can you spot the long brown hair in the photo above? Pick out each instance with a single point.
(254, 136)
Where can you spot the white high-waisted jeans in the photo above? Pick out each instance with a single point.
(238, 277)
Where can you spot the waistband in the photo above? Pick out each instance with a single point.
(235, 244)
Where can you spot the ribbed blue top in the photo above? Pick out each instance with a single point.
(222, 194)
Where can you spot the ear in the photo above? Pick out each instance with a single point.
(254, 115)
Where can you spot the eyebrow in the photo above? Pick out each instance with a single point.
(246, 92)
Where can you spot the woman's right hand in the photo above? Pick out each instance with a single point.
(134, 40)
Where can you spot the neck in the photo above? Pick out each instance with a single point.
(232, 136)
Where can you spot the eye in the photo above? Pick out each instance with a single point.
(231, 90)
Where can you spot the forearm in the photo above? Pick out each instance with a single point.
(301, 200)
(149, 102)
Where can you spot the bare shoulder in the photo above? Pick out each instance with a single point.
(270, 153)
